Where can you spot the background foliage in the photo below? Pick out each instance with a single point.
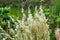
(12, 9)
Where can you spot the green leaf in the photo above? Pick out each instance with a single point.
(58, 20)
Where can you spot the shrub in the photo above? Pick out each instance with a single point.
(28, 28)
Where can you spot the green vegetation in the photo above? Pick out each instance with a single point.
(22, 19)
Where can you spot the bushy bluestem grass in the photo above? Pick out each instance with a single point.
(28, 28)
